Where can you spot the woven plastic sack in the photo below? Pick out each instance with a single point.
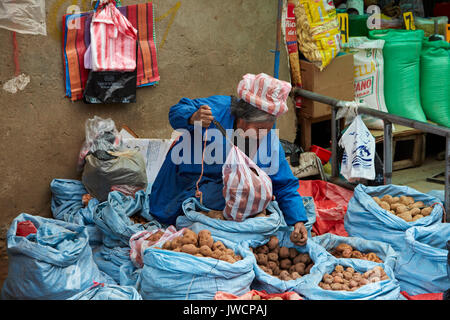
(251, 228)
(383, 250)
(422, 267)
(23, 16)
(53, 264)
(169, 275)
(67, 205)
(367, 220)
(369, 76)
(435, 81)
(383, 290)
(109, 260)
(317, 31)
(271, 284)
(101, 291)
(401, 54)
(246, 188)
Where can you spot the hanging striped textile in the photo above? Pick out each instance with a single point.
(77, 40)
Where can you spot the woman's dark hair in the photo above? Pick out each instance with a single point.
(241, 109)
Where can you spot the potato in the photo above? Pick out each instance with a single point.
(357, 277)
(410, 200)
(402, 208)
(189, 237)
(199, 255)
(293, 253)
(374, 279)
(417, 204)
(328, 280)
(300, 268)
(394, 206)
(285, 264)
(385, 205)
(189, 248)
(272, 265)
(336, 286)
(345, 287)
(276, 271)
(262, 249)
(167, 245)
(273, 242)
(218, 245)
(387, 198)
(284, 275)
(326, 286)
(308, 268)
(284, 253)
(405, 216)
(363, 282)
(385, 277)
(204, 238)
(267, 270)
(350, 269)
(347, 275)
(291, 269)
(339, 269)
(414, 211)
(272, 256)
(426, 211)
(404, 200)
(347, 253)
(227, 258)
(343, 246)
(394, 200)
(206, 251)
(261, 259)
(229, 252)
(376, 199)
(295, 275)
(356, 254)
(337, 279)
(417, 217)
(216, 254)
(353, 283)
(177, 249)
(275, 250)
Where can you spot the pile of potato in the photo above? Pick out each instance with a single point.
(136, 218)
(344, 250)
(201, 245)
(215, 214)
(404, 207)
(349, 280)
(282, 262)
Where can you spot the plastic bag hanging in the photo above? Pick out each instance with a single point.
(23, 16)
(358, 161)
(247, 189)
(113, 40)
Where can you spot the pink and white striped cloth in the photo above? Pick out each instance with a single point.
(265, 93)
(247, 189)
(113, 41)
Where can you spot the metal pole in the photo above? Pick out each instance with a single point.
(447, 178)
(334, 143)
(387, 152)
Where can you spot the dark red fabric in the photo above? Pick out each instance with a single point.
(331, 205)
(25, 228)
(425, 296)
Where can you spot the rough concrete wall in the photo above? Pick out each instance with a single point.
(208, 47)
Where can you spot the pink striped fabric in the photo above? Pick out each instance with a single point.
(265, 93)
(246, 188)
(113, 41)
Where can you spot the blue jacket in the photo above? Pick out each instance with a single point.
(177, 182)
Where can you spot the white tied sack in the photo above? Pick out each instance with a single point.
(369, 76)
(359, 152)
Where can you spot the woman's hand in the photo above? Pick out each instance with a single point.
(204, 115)
(300, 235)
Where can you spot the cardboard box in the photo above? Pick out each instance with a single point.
(336, 81)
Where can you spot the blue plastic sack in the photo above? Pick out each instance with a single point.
(53, 264)
(107, 292)
(271, 284)
(109, 260)
(383, 250)
(366, 219)
(112, 217)
(66, 205)
(169, 275)
(252, 228)
(130, 275)
(383, 290)
(422, 268)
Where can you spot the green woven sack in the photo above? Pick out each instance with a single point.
(401, 54)
(435, 81)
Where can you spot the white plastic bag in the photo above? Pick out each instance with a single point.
(358, 161)
(23, 16)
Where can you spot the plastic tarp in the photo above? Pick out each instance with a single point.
(330, 203)
(23, 16)
(366, 219)
(55, 263)
(422, 267)
(169, 275)
(383, 290)
(271, 284)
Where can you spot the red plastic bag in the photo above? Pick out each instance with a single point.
(25, 228)
(424, 296)
(331, 205)
(290, 295)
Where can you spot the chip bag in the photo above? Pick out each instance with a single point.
(247, 189)
(317, 31)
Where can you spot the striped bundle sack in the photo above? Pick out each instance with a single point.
(77, 40)
(247, 189)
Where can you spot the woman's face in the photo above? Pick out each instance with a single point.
(254, 130)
